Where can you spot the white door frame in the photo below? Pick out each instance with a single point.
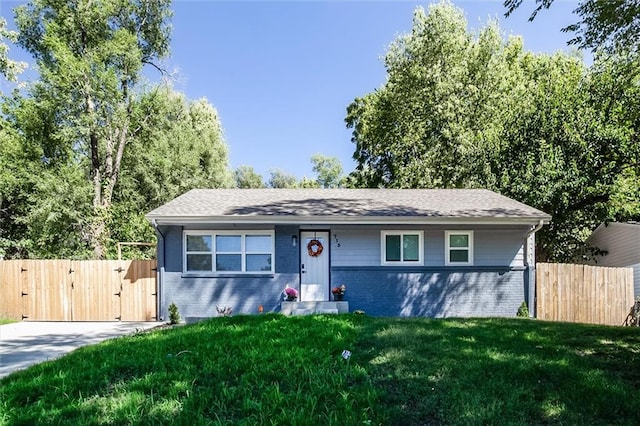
(314, 270)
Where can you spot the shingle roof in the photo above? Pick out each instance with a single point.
(347, 204)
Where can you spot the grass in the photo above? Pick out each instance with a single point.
(4, 321)
(273, 369)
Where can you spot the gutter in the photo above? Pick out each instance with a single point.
(532, 230)
(160, 271)
(349, 220)
(531, 272)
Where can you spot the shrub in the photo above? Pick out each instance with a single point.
(523, 310)
(174, 315)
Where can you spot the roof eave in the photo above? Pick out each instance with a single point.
(348, 220)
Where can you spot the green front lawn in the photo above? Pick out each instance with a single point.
(273, 369)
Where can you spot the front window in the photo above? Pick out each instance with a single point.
(199, 249)
(402, 247)
(229, 251)
(459, 247)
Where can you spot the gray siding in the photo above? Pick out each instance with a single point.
(498, 248)
(433, 292)
(622, 242)
(359, 247)
(199, 296)
(492, 247)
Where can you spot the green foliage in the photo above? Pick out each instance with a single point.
(8, 68)
(44, 196)
(305, 182)
(523, 310)
(246, 177)
(13, 193)
(89, 150)
(90, 59)
(174, 315)
(178, 147)
(280, 179)
(608, 24)
(542, 129)
(433, 121)
(272, 369)
(328, 170)
(573, 147)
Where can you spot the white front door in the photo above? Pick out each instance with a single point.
(314, 269)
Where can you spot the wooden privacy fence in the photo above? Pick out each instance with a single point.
(583, 293)
(78, 290)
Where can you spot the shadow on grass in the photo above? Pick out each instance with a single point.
(493, 371)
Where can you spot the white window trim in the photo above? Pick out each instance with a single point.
(243, 252)
(447, 249)
(383, 248)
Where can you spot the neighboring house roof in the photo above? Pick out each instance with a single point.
(604, 226)
(333, 206)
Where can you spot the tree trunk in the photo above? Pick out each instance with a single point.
(97, 231)
(97, 228)
(105, 177)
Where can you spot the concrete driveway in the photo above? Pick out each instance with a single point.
(26, 343)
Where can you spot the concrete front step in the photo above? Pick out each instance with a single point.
(307, 308)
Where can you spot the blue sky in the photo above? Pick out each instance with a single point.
(282, 74)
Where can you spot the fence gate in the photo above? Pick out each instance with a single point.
(45, 290)
(74, 290)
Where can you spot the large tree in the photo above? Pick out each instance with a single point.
(431, 123)
(90, 55)
(44, 195)
(46, 199)
(12, 188)
(9, 147)
(463, 110)
(570, 148)
(178, 146)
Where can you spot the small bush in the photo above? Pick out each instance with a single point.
(523, 310)
(174, 315)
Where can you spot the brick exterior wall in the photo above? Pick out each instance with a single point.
(433, 292)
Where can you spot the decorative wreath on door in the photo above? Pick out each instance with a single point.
(314, 248)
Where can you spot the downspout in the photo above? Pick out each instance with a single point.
(160, 271)
(531, 269)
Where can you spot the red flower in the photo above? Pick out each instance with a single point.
(339, 290)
